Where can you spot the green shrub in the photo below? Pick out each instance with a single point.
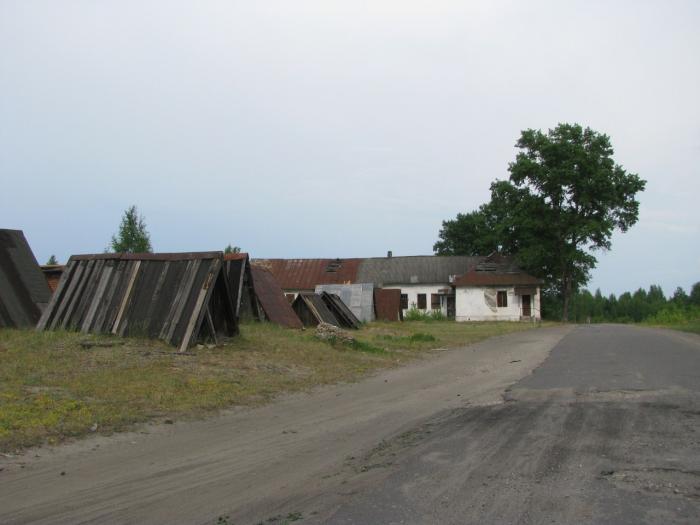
(414, 314)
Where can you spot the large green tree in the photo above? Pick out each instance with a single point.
(564, 199)
(132, 237)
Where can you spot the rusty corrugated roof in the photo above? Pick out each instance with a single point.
(496, 270)
(305, 274)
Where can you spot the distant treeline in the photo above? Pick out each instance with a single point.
(642, 305)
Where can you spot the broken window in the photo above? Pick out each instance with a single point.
(502, 299)
(435, 301)
(404, 301)
(421, 301)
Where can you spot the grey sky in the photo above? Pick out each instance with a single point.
(322, 128)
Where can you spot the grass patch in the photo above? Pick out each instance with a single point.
(51, 388)
(675, 318)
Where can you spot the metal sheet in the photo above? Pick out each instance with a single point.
(387, 304)
(272, 300)
(358, 297)
(305, 274)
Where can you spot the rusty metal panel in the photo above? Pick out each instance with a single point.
(305, 274)
(24, 292)
(272, 300)
(154, 295)
(387, 304)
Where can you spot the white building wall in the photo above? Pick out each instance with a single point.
(412, 290)
(471, 305)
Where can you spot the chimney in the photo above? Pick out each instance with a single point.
(389, 254)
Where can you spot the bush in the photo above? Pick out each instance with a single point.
(422, 315)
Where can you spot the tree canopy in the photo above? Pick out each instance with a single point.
(232, 249)
(564, 198)
(132, 237)
(52, 261)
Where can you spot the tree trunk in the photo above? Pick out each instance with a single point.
(566, 296)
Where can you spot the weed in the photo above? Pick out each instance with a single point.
(51, 388)
(421, 337)
(414, 314)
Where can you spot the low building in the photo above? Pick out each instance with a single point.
(497, 290)
(458, 287)
(424, 281)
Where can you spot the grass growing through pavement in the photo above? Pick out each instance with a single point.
(51, 388)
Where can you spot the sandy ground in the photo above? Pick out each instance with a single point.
(250, 465)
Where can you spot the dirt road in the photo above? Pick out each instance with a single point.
(252, 464)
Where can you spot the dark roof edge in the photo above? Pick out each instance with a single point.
(185, 256)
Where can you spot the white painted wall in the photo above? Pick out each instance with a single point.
(412, 290)
(471, 305)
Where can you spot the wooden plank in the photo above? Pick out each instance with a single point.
(78, 294)
(156, 293)
(104, 309)
(167, 323)
(127, 295)
(106, 273)
(197, 311)
(87, 295)
(56, 321)
(179, 303)
(239, 296)
(62, 285)
(210, 323)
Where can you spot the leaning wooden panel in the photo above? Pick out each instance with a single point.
(157, 296)
(24, 292)
(272, 300)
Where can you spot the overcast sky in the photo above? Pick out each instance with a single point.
(337, 129)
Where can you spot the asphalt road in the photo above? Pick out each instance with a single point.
(606, 430)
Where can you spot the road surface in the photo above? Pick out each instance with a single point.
(607, 430)
(588, 424)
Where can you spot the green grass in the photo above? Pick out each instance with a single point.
(51, 388)
(684, 319)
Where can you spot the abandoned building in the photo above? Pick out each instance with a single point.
(24, 292)
(427, 283)
(497, 290)
(180, 298)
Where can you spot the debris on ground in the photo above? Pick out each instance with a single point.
(328, 332)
